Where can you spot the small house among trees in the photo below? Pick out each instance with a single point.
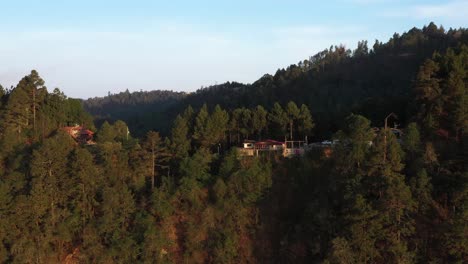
(80, 134)
(286, 149)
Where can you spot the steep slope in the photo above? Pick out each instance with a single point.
(332, 83)
(142, 111)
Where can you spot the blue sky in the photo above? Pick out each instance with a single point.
(88, 48)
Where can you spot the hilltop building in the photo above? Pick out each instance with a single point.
(80, 134)
(285, 149)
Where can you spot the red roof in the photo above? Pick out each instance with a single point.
(86, 132)
(274, 142)
(79, 133)
(267, 143)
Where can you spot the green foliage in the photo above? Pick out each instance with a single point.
(142, 111)
(341, 252)
(395, 202)
(230, 164)
(200, 133)
(180, 141)
(306, 122)
(83, 169)
(197, 166)
(23, 104)
(117, 208)
(250, 183)
(333, 83)
(354, 142)
(359, 200)
(217, 125)
(279, 117)
(292, 114)
(365, 229)
(412, 139)
(121, 131)
(50, 197)
(245, 122)
(235, 125)
(105, 133)
(421, 189)
(156, 155)
(76, 114)
(455, 239)
(259, 120)
(441, 92)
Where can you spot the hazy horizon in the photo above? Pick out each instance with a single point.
(89, 49)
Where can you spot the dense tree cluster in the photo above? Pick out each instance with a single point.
(385, 202)
(222, 128)
(142, 111)
(378, 198)
(29, 113)
(188, 197)
(122, 199)
(373, 80)
(440, 93)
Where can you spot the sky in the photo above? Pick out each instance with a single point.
(89, 48)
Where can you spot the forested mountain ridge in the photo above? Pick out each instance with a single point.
(143, 111)
(192, 197)
(370, 80)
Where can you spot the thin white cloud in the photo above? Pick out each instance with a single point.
(454, 10)
(457, 9)
(317, 31)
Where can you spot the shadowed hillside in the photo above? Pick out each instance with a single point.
(374, 79)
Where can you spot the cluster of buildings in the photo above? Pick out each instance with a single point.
(296, 148)
(287, 149)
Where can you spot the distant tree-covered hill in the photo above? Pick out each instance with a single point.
(334, 82)
(142, 111)
(74, 193)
